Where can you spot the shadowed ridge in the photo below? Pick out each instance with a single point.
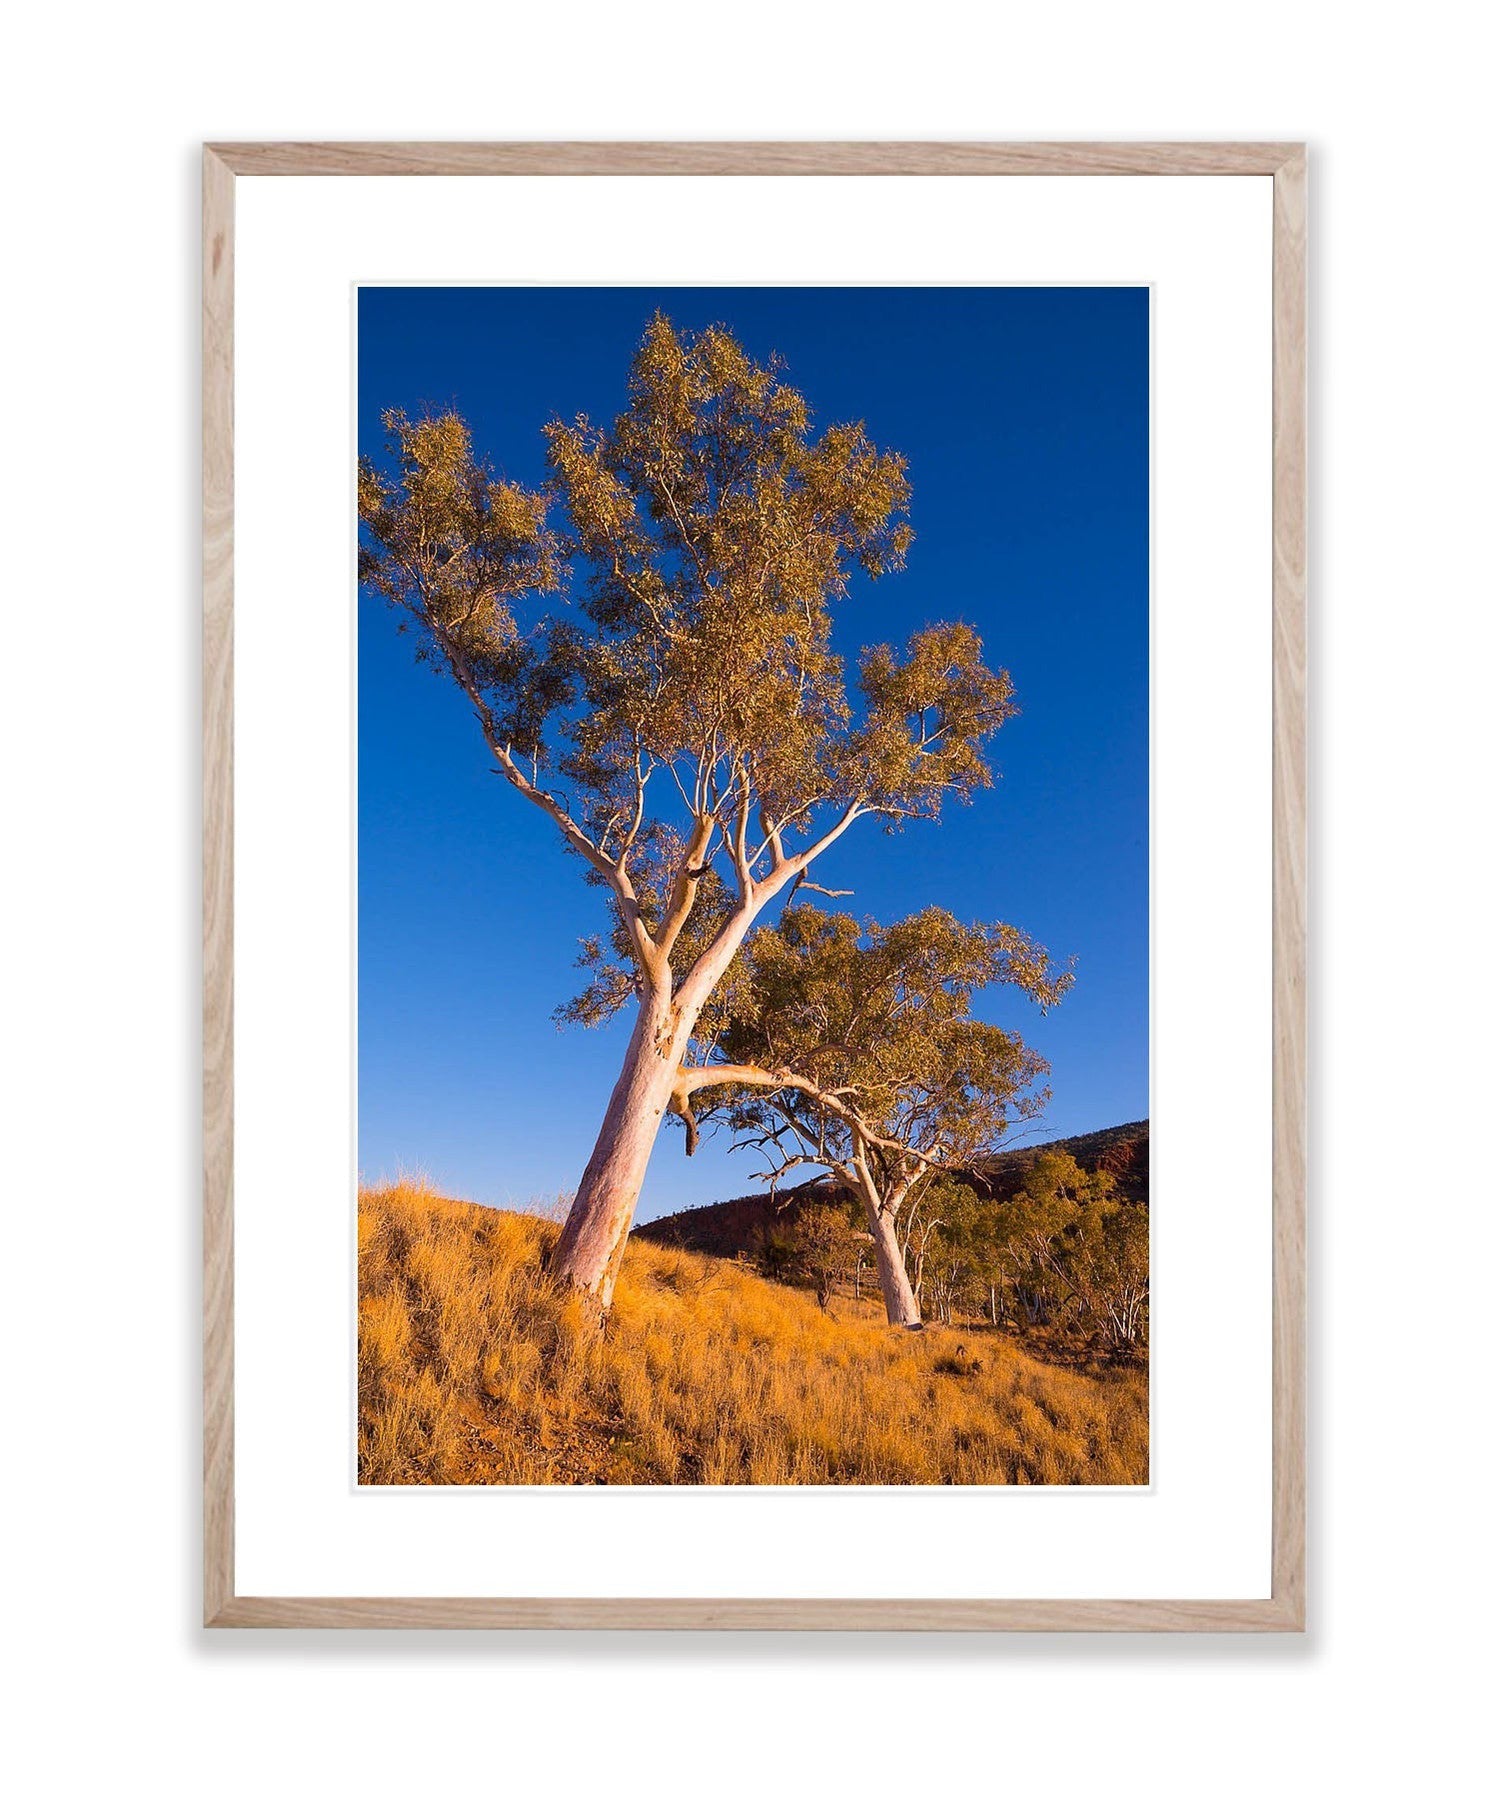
(732, 1227)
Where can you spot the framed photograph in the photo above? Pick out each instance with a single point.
(754, 886)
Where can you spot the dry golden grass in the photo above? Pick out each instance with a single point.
(473, 1370)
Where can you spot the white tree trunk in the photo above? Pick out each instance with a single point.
(900, 1302)
(592, 1243)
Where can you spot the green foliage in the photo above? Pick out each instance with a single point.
(823, 1246)
(958, 1253)
(1070, 1255)
(778, 1248)
(1054, 1174)
(1106, 1256)
(955, 701)
(716, 531)
(879, 1020)
(1069, 1270)
(455, 548)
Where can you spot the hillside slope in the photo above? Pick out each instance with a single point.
(735, 1227)
(472, 1370)
(1122, 1149)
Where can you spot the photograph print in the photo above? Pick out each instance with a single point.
(753, 886)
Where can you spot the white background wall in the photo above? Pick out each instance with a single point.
(104, 111)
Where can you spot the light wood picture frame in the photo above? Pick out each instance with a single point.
(1285, 163)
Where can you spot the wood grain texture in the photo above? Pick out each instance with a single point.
(218, 885)
(1288, 836)
(1112, 1615)
(1285, 1610)
(752, 159)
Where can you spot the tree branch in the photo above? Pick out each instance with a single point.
(678, 1104)
(684, 889)
(830, 1100)
(814, 887)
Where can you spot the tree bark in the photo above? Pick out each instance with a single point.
(592, 1244)
(900, 1302)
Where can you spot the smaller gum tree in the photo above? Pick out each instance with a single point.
(857, 1051)
(1077, 1253)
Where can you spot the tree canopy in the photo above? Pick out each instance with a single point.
(872, 1029)
(681, 705)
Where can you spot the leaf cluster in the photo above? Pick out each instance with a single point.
(880, 1018)
(1074, 1255)
(455, 548)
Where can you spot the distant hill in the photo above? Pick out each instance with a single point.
(1122, 1149)
(735, 1226)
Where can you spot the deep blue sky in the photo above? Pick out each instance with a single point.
(1024, 416)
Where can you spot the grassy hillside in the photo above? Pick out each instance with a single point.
(737, 1226)
(472, 1370)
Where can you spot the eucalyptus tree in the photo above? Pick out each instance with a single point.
(1078, 1254)
(656, 674)
(857, 1052)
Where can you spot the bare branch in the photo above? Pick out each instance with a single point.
(684, 889)
(814, 887)
(679, 1104)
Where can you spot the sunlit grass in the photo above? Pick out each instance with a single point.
(474, 1370)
